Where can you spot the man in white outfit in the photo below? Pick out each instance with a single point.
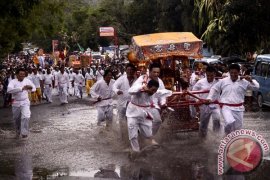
(19, 88)
(71, 89)
(159, 97)
(121, 87)
(139, 115)
(103, 92)
(55, 71)
(99, 73)
(211, 110)
(62, 81)
(232, 91)
(77, 83)
(48, 85)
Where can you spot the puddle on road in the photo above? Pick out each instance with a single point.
(22, 167)
(110, 171)
(74, 119)
(80, 119)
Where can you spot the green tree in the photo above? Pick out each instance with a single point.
(142, 16)
(14, 23)
(46, 23)
(175, 15)
(234, 26)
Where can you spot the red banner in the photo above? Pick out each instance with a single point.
(106, 31)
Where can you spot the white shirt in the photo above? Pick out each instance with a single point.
(138, 99)
(20, 96)
(62, 79)
(119, 75)
(41, 76)
(48, 79)
(100, 74)
(90, 76)
(196, 77)
(29, 76)
(78, 79)
(162, 93)
(202, 85)
(54, 73)
(122, 84)
(9, 79)
(71, 76)
(103, 90)
(232, 92)
(36, 78)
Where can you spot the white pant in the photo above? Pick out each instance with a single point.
(21, 117)
(48, 92)
(105, 113)
(122, 118)
(71, 89)
(205, 114)
(136, 124)
(156, 120)
(78, 90)
(63, 94)
(233, 119)
(121, 113)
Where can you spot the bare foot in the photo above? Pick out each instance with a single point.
(153, 142)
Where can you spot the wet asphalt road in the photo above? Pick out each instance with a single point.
(65, 143)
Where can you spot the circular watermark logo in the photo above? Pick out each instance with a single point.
(244, 154)
(241, 151)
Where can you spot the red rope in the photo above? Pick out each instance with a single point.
(199, 102)
(191, 92)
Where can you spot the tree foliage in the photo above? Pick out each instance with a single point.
(46, 23)
(14, 24)
(234, 26)
(228, 26)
